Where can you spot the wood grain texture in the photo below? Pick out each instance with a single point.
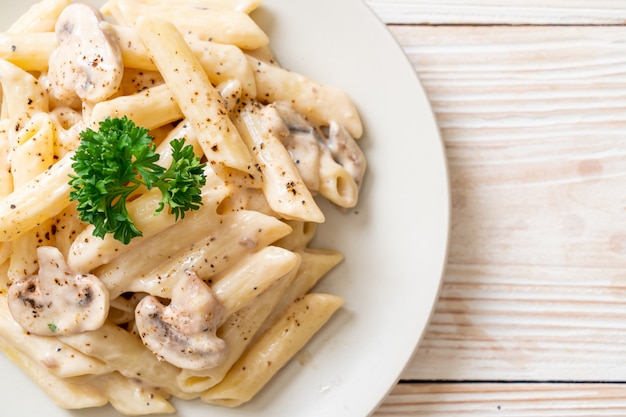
(535, 134)
(509, 12)
(531, 319)
(505, 400)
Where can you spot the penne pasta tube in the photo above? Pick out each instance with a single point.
(336, 183)
(203, 246)
(251, 276)
(238, 331)
(283, 186)
(315, 264)
(300, 237)
(23, 251)
(245, 6)
(41, 17)
(221, 25)
(137, 80)
(319, 103)
(5, 255)
(246, 199)
(59, 359)
(235, 236)
(263, 54)
(273, 350)
(221, 62)
(130, 397)
(199, 101)
(6, 178)
(65, 227)
(34, 149)
(29, 51)
(41, 198)
(23, 95)
(182, 130)
(132, 48)
(150, 108)
(68, 124)
(88, 252)
(125, 353)
(71, 394)
(239, 268)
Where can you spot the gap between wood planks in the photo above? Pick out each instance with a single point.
(505, 381)
(520, 25)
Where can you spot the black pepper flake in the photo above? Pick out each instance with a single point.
(13, 48)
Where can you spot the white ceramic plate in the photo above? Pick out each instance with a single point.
(395, 241)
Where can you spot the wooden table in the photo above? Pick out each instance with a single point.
(530, 97)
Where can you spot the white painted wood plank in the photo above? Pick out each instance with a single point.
(526, 323)
(505, 400)
(487, 12)
(533, 119)
(534, 126)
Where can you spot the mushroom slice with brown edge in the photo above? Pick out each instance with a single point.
(87, 65)
(57, 301)
(183, 333)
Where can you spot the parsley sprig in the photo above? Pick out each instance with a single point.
(112, 163)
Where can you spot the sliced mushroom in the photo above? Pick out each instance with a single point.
(57, 301)
(299, 138)
(87, 65)
(346, 151)
(307, 144)
(183, 333)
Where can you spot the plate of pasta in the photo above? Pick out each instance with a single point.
(224, 207)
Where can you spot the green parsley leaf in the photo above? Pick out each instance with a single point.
(112, 163)
(52, 327)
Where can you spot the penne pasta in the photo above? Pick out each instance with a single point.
(238, 332)
(245, 6)
(314, 265)
(134, 361)
(41, 17)
(252, 276)
(151, 108)
(222, 25)
(6, 178)
(300, 237)
(33, 152)
(283, 185)
(336, 183)
(131, 398)
(23, 96)
(318, 102)
(72, 394)
(198, 100)
(221, 62)
(29, 51)
(231, 237)
(271, 352)
(206, 305)
(39, 199)
(24, 251)
(59, 359)
(88, 252)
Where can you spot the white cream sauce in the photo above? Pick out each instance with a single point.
(306, 144)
